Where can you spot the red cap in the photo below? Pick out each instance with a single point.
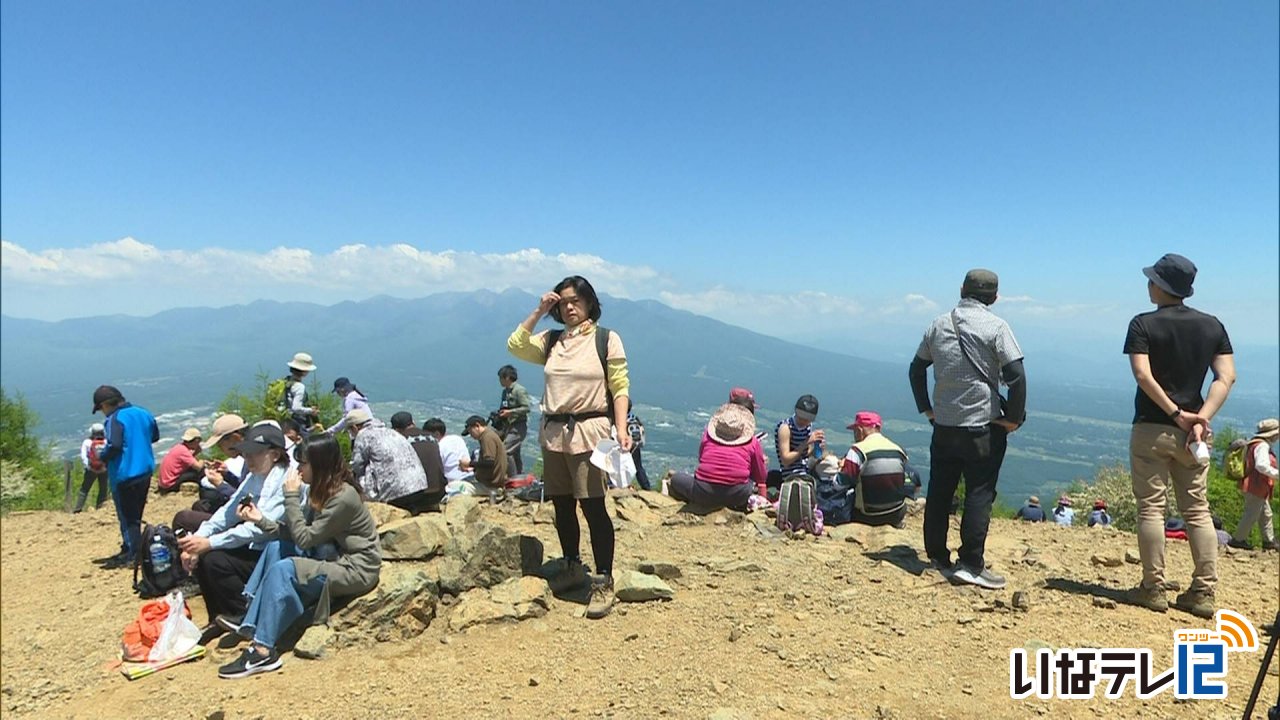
(865, 418)
(742, 394)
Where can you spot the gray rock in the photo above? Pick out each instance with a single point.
(383, 513)
(738, 566)
(475, 607)
(402, 606)
(419, 538)
(529, 596)
(632, 586)
(462, 510)
(726, 517)
(1106, 561)
(1132, 557)
(488, 555)
(664, 570)
(314, 641)
(633, 509)
(658, 501)
(764, 525)
(1021, 601)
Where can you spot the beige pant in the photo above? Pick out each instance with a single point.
(1256, 510)
(1158, 456)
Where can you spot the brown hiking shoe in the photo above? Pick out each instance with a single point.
(601, 598)
(1197, 602)
(1149, 598)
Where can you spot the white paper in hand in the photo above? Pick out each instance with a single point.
(618, 465)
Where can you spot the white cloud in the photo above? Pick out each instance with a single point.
(142, 278)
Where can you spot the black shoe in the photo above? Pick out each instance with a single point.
(250, 663)
(1240, 545)
(110, 558)
(209, 632)
(118, 562)
(230, 640)
(230, 623)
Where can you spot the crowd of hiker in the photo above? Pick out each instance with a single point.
(280, 529)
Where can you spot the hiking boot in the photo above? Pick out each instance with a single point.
(1240, 544)
(1149, 598)
(230, 623)
(571, 577)
(601, 598)
(1270, 546)
(984, 579)
(249, 663)
(1197, 602)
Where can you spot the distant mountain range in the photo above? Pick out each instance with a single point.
(449, 346)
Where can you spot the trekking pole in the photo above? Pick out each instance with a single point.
(1262, 671)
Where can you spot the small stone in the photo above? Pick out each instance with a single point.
(1132, 557)
(632, 636)
(735, 634)
(534, 682)
(1105, 603)
(1106, 561)
(802, 616)
(664, 570)
(719, 686)
(1021, 601)
(966, 620)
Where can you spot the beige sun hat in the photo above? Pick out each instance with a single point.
(302, 361)
(732, 424)
(1268, 429)
(225, 425)
(190, 434)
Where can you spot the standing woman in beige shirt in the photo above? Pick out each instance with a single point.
(577, 414)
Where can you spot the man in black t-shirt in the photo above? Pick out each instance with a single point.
(1171, 349)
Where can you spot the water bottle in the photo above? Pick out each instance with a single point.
(817, 451)
(159, 555)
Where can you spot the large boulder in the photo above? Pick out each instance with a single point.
(419, 538)
(401, 607)
(314, 642)
(486, 554)
(658, 501)
(462, 510)
(383, 513)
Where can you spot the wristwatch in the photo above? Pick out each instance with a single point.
(1174, 415)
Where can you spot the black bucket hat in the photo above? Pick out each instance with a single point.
(1173, 274)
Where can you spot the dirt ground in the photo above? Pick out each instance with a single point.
(847, 626)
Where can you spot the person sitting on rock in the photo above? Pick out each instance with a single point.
(1032, 512)
(1099, 517)
(384, 464)
(223, 551)
(180, 464)
(490, 465)
(877, 467)
(428, 450)
(796, 440)
(453, 451)
(327, 548)
(1063, 514)
(1224, 537)
(731, 461)
(221, 479)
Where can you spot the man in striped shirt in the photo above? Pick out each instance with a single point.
(972, 352)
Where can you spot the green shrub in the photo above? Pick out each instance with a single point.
(263, 400)
(30, 479)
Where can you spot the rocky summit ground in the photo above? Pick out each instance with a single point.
(758, 625)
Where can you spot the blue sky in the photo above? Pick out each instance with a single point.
(719, 156)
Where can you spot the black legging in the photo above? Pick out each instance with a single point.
(598, 523)
(90, 477)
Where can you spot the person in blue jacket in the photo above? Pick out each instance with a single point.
(130, 431)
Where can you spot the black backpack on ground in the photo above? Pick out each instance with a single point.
(149, 582)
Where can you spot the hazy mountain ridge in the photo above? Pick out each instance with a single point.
(450, 346)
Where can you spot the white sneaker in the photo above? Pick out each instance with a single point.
(985, 579)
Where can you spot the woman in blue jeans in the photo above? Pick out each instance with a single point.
(326, 548)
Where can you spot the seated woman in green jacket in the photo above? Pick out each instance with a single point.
(326, 548)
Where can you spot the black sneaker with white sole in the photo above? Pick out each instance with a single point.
(251, 663)
(230, 623)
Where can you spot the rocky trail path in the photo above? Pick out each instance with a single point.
(757, 625)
